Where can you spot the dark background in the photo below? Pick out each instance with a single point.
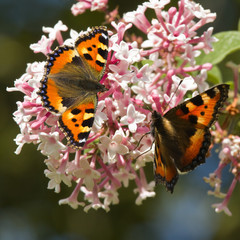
(29, 211)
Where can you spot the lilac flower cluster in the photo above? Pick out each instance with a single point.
(82, 5)
(229, 153)
(141, 76)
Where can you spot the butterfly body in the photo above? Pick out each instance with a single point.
(71, 82)
(182, 135)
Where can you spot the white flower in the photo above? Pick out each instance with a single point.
(200, 79)
(50, 145)
(71, 202)
(135, 15)
(145, 151)
(157, 62)
(133, 118)
(145, 191)
(98, 4)
(43, 45)
(120, 29)
(219, 207)
(140, 74)
(100, 117)
(55, 31)
(121, 74)
(56, 177)
(124, 176)
(187, 84)
(111, 147)
(156, 3)
(176, 33)
(198, 10)
(94, 200)
(110, 197)
(129, 53)
(170, 100)
(230, 148)
(142, 91)
(87, 173)
(25, 137)
(20, 115)
(152, 41)
(80, 7)
(190, 54)
(208, 40)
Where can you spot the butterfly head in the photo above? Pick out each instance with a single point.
(156, 116)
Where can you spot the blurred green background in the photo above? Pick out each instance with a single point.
(29, 211)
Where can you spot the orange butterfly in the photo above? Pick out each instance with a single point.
(182, 136)
(71, 82)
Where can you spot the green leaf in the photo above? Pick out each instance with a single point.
(214, 76)
(142, 63)
(228, 42)
(147, 61)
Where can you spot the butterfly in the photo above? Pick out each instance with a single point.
(70, 84)
(182, 135)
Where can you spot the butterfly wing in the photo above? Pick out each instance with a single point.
(93, 48)
(192, 120)
(70, 76)
(71, 81)
(182, 136)
(165, 169)
(76, 123)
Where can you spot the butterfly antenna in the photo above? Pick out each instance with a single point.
(150, 110)
(141, 139)
(145, 151)
(173, 94)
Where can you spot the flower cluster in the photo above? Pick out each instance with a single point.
(141, 76)
(230, 151)
(82, 5)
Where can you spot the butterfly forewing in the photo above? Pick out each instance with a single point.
(93, 48)
(203, 108)
(49, 89)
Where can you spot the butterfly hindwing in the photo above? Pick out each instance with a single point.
(184, 132)
(165, 169)
(195, 153)
(71, 81)
(76, 123)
